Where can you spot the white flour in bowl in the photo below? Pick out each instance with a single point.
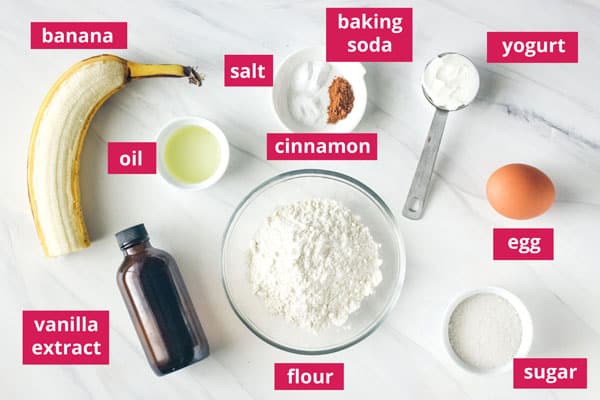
(314, 262)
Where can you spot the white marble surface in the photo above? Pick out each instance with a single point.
(546, 115)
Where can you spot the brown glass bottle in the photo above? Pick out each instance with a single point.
(159, 304)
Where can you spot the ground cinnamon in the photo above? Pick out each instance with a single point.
(341, 100)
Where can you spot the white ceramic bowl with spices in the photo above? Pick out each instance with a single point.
(288, 96)
(526, 334)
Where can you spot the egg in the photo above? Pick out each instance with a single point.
(520, 191)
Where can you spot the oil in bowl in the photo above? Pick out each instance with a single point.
(193, 153)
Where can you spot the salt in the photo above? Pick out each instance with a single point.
(308, 97)
(485, 331)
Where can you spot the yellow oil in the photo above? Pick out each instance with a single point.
(192, 154)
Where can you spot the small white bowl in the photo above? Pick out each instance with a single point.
(526, 329)
(354, 72)
(163, 137)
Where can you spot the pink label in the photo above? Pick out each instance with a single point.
(65, 337)
(321, 146)
(369, 34)
(132, 157)
(78, 35)
(532, 47)
(309, 376)
(248, 70)
(523, 244)
(550, 373)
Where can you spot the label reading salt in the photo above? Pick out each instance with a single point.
(523, 244)
(78, 35)
(369, 34)
(550, 373)
(132, 157)
(532, 47)
(65, 337)
(248, 70)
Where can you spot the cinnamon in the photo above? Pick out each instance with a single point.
(341, 100)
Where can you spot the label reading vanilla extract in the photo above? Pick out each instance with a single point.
(65, 337)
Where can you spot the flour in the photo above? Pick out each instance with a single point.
(485, 331)
(314, 262)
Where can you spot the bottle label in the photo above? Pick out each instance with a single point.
(309, 376)
(78, 35)
(532, 47)
(550, 373)
(369, 34)
(321, 146)
(132, 157)
(523, 244)
(248, 69)
(65, 337)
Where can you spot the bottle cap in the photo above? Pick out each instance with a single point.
(131, 236)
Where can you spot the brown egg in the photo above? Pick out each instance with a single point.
(520, 191)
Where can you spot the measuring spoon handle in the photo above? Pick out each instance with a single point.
(417, 195)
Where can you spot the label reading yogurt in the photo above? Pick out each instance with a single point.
(369, 34)
(532, 47)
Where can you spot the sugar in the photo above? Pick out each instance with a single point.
(485, 331)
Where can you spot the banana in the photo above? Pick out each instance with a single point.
(57, 139)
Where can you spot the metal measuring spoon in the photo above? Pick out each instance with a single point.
(419, 189)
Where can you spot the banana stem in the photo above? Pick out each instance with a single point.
(138, 71)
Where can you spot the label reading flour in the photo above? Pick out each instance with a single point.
(65, 337)
(309, 376)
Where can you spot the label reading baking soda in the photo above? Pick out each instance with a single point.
(65, 337)
(532, 47)
(78, 35)
(369, 34)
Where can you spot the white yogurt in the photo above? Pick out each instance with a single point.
(450, 81)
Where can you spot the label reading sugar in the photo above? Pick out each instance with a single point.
(550, 373)
(532, 47)
(65, 337)
(369, 34)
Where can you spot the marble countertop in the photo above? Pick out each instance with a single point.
(546, 115)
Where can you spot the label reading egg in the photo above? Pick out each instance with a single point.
(523, 244)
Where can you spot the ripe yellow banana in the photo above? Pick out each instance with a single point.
(57, 140)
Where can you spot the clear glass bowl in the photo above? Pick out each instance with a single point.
(291, 187)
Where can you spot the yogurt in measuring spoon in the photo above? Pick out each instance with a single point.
(450, 81)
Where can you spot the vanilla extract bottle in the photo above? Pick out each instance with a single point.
(159, 304)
